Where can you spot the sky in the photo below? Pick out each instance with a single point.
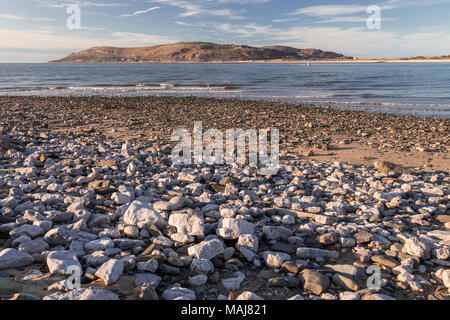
(43, 30)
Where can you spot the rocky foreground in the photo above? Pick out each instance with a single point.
(73, 197)
(141, 228)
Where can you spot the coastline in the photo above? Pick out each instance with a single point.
(277, 61)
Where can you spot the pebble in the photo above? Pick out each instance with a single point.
(100, 210)
(110, 271)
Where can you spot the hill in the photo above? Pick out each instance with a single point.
(198, 52)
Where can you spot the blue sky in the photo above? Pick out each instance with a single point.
(36, 30)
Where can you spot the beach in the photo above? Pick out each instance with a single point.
(88, 182)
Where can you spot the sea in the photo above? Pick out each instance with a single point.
(421, 89)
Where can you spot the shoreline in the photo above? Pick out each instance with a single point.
(278, 61)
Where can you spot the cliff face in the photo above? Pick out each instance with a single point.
(197, 52)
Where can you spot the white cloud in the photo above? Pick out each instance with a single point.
(10, 16)
(24, 40)
(329, 10)
(16, 17)
(139, 12)
(334, 10)
(195, 9)
(245, 1)
(351, 19)
(128, 39)
(66, 3)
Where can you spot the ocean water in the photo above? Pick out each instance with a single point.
(404, 88)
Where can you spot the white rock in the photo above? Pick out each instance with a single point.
(248, 295)
(52, 198)
(275, 259)
(121, 198)
(143, 216)
(206, 249)
(99, 245)
(230, 228)
(415, 247)
(201, 266)
(60, 262)
(248, 241)
(90, 293)
(446, 278)
(233, 284)
(296, 297)
(348, 295)
(188, 224)
(178, 293)
(110, 271)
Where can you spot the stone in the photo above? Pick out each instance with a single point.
(285, 282)
(327, 238)
(248, 295)
(143, 216)
(147, 293)
(178, 293)
(344, 269)
(188, 224)
(348, 295)
(9, 287)
(201, 266)
(248, 241)
(345, 282)
(277, 233)
(198, 280)
(293, 266)
(147, 279)
(316, 253)
(387, 167)
(57, 236)
(378, 296)
(275, 259)
(206, 249)
(33, 246)
(440, 234)
(446, 278)
(12, 258)
(131, 231)
(233, 284)
(90, 293)
(231, 229)
(314, 281)
(149, 266)
(363, 237)
(121, 198)
(62, 262)
(99, 245)
(415, 247)
(26, 229)
(110, 271)
(385, 261)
